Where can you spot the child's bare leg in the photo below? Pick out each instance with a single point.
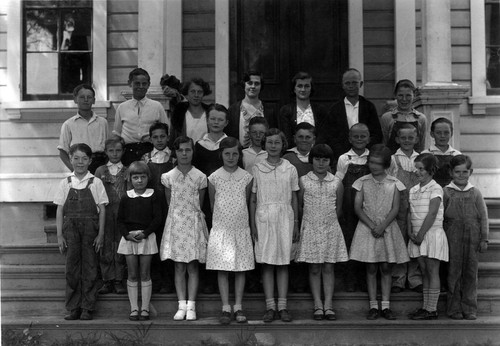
(386, 280)
(193, 280)
(222, 278)
(432, 266)
(371, 280)
(145, 265)
(268, 280)
(328, 283)
(422, 263)
(239, 287)
(133, 267)
(180, 280)
(282, 280)
(315, 284)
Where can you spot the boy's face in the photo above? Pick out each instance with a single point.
(80, 162)
(195, 94)
(184, 153)
(404, 97)
(359, 138)
(84, 99)
(216, 121)
(114, 152)
(460, 175)
(407, 139)
(140, 85)
(257, 131)
(441, 134)
(304, 140)
(159, 138)
(351, 83)
(303, 88)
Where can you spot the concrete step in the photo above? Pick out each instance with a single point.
(493, 205)
(349, 329)
(19, 254)
(493, 253)
(494, 228)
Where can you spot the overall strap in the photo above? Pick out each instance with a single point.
(91, 180)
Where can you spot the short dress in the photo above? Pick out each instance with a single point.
(274, 217)
(230, 242)
(377, 203)
(435, 243)
(185, 235)
(321, 238)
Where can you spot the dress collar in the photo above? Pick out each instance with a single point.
(455, 187)
(147, 193)
(238, 174)
(329, 176)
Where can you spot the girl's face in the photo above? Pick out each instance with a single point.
(159, 138)
(376, 165)
(230, 157)
(216, 121)
(303, 88)
(404, 97)
(114, 153)
(257, 131)
(359, 138)
(139, 182)
(184, 153)
(274, 145)
(195, 94)
(252, 87)
(460, 175)
(80, 162)
(422, 175)
(441, 134)
(320, 165)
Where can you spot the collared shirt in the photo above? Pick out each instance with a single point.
(134, 118)
(96, 188)
(251, 158)
(388, 119)
(207, 142)
(352, 112)
(196, 128)
(407, 163)
(114, 168)
(160, 156)
(77, 129)
(303, 158)
(455, 187)
(147, 193)
(305, 116)
(436, 151)
(348, 158)
(420, 197)
(247, 112)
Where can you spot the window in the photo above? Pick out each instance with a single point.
(492, 25)
(57, 48)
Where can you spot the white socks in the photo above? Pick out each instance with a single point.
(133, 293)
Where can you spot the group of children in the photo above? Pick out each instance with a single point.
(378, 208)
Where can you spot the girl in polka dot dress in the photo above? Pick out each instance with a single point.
(230, 244)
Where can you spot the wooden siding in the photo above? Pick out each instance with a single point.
(3, 51)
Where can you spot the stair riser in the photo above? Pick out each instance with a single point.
(33, 258)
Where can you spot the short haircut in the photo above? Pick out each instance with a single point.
(258, 121)
(219, 108)
(407, 126)
(300, 75)
(230, 142)
(248, 74)
(441, 121)
(114, 141)
(138, 167)
(305, 126)
(84, 148)
(198, 81)
(321, 151)
(380, 150)
(352, 70)
(429, 161)
(404, 83)
(461, 160)
(138, 72)
(272, 132)
(182, 139)
(158, 126)
(79, 87)
(359, 126)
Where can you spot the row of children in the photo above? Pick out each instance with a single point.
(275, 205)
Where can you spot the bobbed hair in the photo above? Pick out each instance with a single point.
(301, 75)
(198, 81)
(321, 151)
(248, 74)
(138, 167)
(272, 132)
(429, 162)
(230, 142)
(380, 150)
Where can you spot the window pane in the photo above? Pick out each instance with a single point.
(41, 73)
(75, 69)
(492, 17)
(76, 30)
(41, 30)
(40, 3)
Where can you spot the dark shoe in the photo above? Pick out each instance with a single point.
(106, 288)
(470, 317)
(388, 314)
(396, 289)
(285, 316)
(418, 289)
(318, 314)
(269, 316)
(86, 315)
(413, 313)
(144, 315)
(240, 317)
(419, 315)
(457, 316)
(134, 315)
(225, 318)
(73, 315)
(119, 289)
(432, 315)
(330, 315)
(372, 314)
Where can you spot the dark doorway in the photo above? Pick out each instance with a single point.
(282, 37)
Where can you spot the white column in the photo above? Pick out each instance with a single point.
(404, 31)
(355, 34)
(436, 42)
(173, 38)
(222, 52)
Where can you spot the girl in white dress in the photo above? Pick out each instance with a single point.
(274, 220)
(428, 239)
(321, 240)
(185, 235)
(230, 243)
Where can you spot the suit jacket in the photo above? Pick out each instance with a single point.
(335, 129)
(233, 128)
(178, 121)
(288, 119)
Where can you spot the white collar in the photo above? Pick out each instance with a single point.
(450, 151)
(347, 102)
(296, 151)
(86, 177)
(353, 153)
(119, 164)
(147, 193)
(156, 151)
(455, 187)
(207, 138)
(399, 152)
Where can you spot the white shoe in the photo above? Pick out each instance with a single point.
(191, 315)
(180, 315)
